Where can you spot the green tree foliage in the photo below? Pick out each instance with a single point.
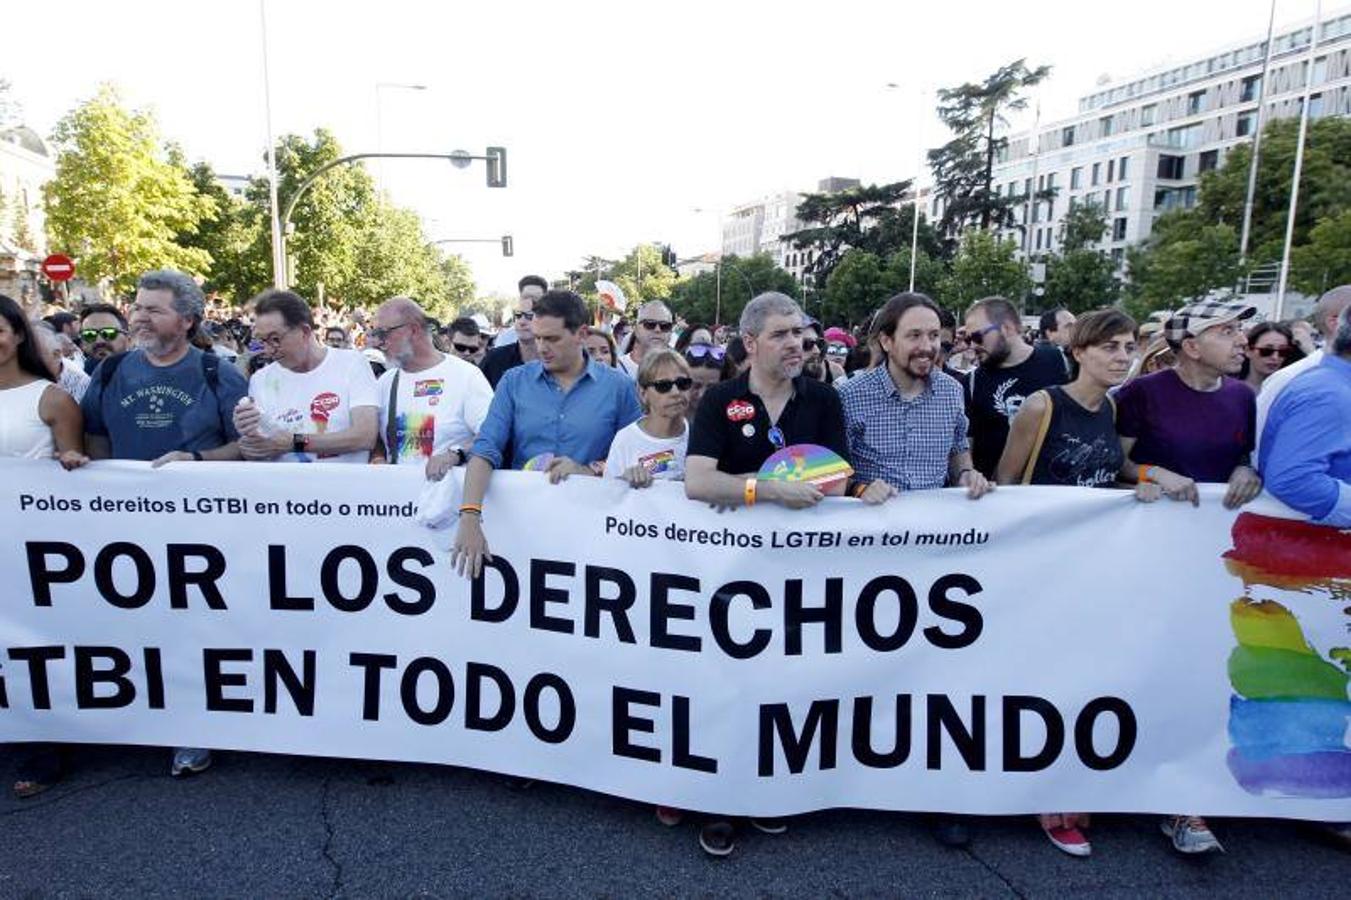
(641, 275)
(239, 267)
(862, 282)
(874, 218)
(696, 299)
(1325, 261)
(1324, 188)
(985, 266)
(117, 202)
(1184, 257)
(963, 168)
(1081, 276)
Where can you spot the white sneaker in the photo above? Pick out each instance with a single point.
(1190, 835)
(190, 761)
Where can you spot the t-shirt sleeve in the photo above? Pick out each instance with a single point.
(833, 436)
(91, 404)
(478, 396)
(233, 387)
(361, 384)
(708, 437)
(1130, 410)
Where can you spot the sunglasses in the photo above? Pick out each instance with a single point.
(380, 334)
(664, 385)
(978, 336)
(1263, 352)
(652, 325)
(808, 345)
(837, 349)
(463, 348)
(527, 316)
(696, 352)
(89, 335)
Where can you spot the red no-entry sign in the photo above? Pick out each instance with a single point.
(58, 267)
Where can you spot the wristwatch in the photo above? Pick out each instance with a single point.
(460, 457)
(300, 442)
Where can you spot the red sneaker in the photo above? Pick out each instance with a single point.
(669, 816)
(1069, 840)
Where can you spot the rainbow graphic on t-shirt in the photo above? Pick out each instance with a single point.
(659, 462)
(1290, 716)
(416, 434)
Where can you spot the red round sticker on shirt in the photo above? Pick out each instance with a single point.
(740, 411)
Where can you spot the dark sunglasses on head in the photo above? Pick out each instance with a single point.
(89, 335)
(653, 325)
(1282, 352)
(664, 385)
(463, 348)
(696, 352)
(809, 344)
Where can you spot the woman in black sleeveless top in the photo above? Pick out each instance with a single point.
(1067, 436)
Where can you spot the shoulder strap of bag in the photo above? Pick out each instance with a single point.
(391, 421)
(1042, 427)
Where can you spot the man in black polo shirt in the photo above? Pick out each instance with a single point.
(741, 422)
(509, 355)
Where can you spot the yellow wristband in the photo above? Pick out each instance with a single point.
(749, 494)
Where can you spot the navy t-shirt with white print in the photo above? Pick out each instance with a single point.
(148, 410)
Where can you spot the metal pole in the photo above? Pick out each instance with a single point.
(1032, 183)
(278, 238)
(717, 313)
(1257, 143)
(1299, 163)
(914, 186)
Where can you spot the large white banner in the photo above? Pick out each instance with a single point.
(1038, 649)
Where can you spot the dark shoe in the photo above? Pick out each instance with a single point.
(950, 831)
(718, 838)
(771, 826)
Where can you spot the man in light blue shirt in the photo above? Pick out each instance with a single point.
(562, 404)
(1306, 445)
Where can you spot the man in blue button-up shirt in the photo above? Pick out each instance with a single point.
(562, 404)
(1306, 444)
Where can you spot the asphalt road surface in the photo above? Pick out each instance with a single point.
(277, 826)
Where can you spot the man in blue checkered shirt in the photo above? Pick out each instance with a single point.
(906, 420)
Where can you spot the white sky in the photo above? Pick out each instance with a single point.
(620, 118)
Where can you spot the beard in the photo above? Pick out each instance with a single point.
(155, 345)
(814, 366)
(995, 358)
(792, 369)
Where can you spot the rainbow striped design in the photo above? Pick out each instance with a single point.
(805, 462)
(1290, 716)
(538, 463)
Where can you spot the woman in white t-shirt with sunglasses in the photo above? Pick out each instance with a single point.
(653, 448)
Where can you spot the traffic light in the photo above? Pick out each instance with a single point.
(508, 249)
(497, 167)
(668, 256)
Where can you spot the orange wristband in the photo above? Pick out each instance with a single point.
(1144, 475)
(749, 494)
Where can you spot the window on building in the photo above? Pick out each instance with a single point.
(1320, 70)
(1208, 161)
(1121, 168)
(1067, 136)
(1050, 209)
(1196, 103)
(1105, 126)
(1076, 178)
(1050, 181)
(1111, 171)
(1245, 123)
(1121, 193)
(1118, 256)
(1041, 183)
(1097, 174)
(1038, 238)
(1315, 105)
(1250, 88)
(1027, 186)
(1148, 114)
(1171, 167)
(1119, 229)
(1106, 201)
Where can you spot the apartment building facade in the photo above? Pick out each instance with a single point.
(1138, 146)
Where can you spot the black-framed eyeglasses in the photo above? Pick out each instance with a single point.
(463, 348)
(664, 385)
(697, 352)
(523, 314)
(380, 334)
(656, 325)
(810, 344)
(89, 335)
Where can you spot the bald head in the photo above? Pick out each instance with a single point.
(402, 335)
(405, 309)
(1329, 307)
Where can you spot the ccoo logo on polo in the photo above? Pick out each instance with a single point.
(740, 411)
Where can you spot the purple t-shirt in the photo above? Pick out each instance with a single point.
(1201, 434)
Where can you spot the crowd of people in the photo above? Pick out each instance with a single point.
(921, 398)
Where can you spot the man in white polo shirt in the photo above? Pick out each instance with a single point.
(431, 404)
(317, 403)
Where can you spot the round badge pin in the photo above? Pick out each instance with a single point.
(748, 430)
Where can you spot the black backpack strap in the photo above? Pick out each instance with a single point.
(391, 422)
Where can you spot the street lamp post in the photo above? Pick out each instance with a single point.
(508, 245)
(495, 157)
(914, 186)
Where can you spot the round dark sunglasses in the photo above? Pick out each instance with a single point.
(664, 385)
